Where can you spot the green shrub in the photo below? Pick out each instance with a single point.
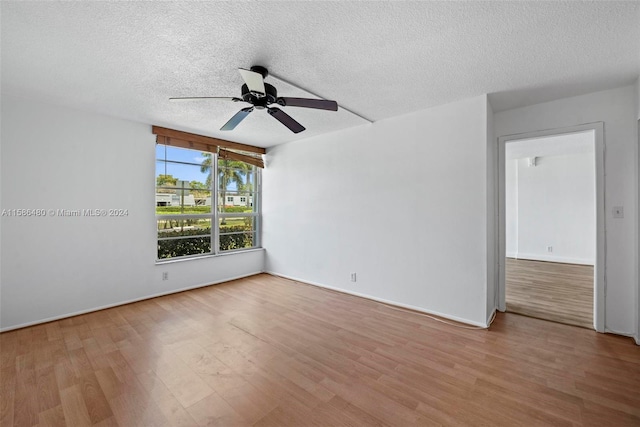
(236, 241)
(201, 243)
(172, 210)
(182, 247)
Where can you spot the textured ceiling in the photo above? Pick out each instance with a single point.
(377, 59)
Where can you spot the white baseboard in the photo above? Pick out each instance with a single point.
(382, 300)
(104, 307)
(551, 258)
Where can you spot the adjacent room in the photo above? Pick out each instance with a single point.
(319, 213)
(551, 234)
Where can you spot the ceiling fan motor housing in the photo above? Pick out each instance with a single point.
(260, 102)
(260, 70)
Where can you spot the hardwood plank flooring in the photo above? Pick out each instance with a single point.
(552, 291)
(266, 351)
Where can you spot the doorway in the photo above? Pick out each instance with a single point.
(551, 189)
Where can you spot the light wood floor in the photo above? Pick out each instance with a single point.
(552, 291)
(266, 351)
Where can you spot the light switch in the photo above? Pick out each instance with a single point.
(618, 212)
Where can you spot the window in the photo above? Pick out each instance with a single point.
(192, 219)
(237, 221)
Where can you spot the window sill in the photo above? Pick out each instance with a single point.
(194, 258)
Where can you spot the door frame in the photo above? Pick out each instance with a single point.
(599, 277)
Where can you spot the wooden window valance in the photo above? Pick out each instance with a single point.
(225, 149)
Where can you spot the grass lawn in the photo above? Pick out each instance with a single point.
(165, 226)
(173, 210)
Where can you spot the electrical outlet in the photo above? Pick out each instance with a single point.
(165, 275)
(353, 277)
(549, 248)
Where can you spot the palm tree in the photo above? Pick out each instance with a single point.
(229, 171)
(205, 166)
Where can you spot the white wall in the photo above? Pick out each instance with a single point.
(1, 207)
(555, 207)
(616, 108)
(401, 202)
(57, 158)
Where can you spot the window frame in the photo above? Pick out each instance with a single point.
(256, 212)
(215, 215)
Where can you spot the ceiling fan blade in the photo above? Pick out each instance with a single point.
(204, 98)
(236, 119)
(254, 81)
(286, 120)
(320, 104)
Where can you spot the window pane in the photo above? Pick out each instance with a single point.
(183, 247)
(167, 152)
(237, 233)
(183, 227)
(179, 201)
(180, 190)
(236, 176)
(182, 155)
(171, 175)
(236, 185)
(237, 224)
